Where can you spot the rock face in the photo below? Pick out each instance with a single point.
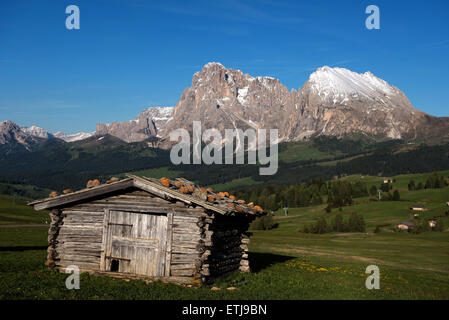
(334, 101)
(226, 99)
(151, 122)
(340, 102)
(13, 139)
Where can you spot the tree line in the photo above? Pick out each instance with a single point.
(435, 181)
(339, 193)
(355, 223)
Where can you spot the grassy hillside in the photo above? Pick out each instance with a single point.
(286, 263)
(58, 165)
(23, 190)
(326, 158)
(13, 210)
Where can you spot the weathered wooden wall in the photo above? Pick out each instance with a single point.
(225, 246)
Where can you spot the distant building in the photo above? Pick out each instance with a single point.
(406, 225)
(432, 223)
(388, 180)
(418, 208)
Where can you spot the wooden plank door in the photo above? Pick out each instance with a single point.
(135, 243)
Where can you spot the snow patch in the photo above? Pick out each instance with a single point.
(341, 83)
(242, 95)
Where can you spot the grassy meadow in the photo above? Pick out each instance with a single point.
(286, 263)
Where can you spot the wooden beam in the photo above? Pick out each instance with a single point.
(168, 246)
(104, 240)
(81, 195)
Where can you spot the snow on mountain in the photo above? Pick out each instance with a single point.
(13, 139)
(338, 84)
(158, 113)
(73, 137)
(334, 102)
(37, 132)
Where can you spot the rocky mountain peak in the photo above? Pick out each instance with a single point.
(8, 131)
(334, 102)
(8, 126)
(151, 122)
(225, 98)
(12, 138)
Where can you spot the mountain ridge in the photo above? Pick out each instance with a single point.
(332, 102)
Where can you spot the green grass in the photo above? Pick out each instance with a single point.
(235, 183)
(13, 210)
(280, 271)
(401, 181)
(286, 263)
(300, 151)
(24, 190)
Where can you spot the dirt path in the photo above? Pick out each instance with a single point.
(353, 257)
(22, 225)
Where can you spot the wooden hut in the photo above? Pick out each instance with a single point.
(137, 227)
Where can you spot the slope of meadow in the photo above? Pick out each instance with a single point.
(286, 263)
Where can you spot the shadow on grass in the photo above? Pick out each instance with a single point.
(259, 260)
(23, 248)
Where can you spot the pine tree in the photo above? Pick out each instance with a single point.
(338, 223)
(356, 223)
(316, 199)
(439, 226)
(396, 195)
(361, 224)
(321, 226)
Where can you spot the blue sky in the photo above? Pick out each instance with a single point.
(129, 55)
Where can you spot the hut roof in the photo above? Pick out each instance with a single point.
(178, 189)
(407, 223)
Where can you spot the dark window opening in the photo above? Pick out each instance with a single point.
(115, 265)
